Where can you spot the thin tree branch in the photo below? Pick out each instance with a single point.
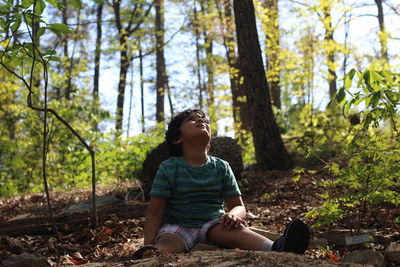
(133, 14)
(366, 15)
(165, 43)
(141, 20)
(394, 9)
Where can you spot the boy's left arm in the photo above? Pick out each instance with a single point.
(236, 213)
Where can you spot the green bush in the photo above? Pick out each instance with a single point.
(368, 172)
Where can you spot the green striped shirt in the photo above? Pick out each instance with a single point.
(195, 194)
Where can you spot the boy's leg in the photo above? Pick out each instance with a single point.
(170, 243)
(176, 239)
(242, 238)
(294, 239)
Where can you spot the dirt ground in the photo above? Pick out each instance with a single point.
(271, 197)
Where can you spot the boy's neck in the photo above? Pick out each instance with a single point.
(194, 155)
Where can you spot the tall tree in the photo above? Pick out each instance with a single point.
(97, 52)
(136, 15)
(272, 46)
(323, 8)
(269, 148)
(207, 9)
(142, 119)
(382, 31)
(239, 106)
(330, 47)
(161, 80)
(196, 26)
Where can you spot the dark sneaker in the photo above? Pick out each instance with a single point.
(295, 238)
(139, 253)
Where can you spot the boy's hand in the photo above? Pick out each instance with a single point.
(232, 221)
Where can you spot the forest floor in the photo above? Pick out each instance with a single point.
(272, 200)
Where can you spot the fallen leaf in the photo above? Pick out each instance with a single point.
(333, 257)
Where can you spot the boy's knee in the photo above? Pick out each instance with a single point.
(170, 243)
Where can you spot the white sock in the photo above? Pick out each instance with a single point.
(267, 245)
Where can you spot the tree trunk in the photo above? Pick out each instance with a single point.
(160, 60)
(71, 222)
(330, 50)
(130, 104)
(124, 66)
(141, 87)
(272, 51)
(347, 19)
(71, 59)
(59, 91)
(382, 33)
(133, 24)
(268, 144)
(209, 64)
(198, 59)
(97, 53)
(239, 106)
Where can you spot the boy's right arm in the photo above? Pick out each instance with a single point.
(153, 219)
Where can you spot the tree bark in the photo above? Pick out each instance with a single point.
(198, 58)
(268, 144)
(382, 31)
(64, 14)
(332, 77)
(141, 87)
(239, 106)
(97, 53)
(70, 222)
(160, 60)
(209, 65)
(124, 66)
(137, 15)
(272, 52)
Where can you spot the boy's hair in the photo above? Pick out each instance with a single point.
(173, 132)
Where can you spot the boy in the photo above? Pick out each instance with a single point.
(189, 194)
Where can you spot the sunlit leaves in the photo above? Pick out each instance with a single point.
(59, 29)
(76, 3)
(367, 177)
(378, 90)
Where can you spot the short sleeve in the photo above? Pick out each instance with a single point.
(161, 186)
(230, 187)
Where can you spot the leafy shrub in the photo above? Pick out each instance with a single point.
(369, 171)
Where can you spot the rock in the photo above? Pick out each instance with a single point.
(374, 258)
(225, 258)
(22, 216)
(101, 264)
(318, 243)
(11, 244)
(225, 148)
(393, 247)
(83, 206)
(203, 247)
(392, 258)
(228, 149)
(338, 236)
(392, 254)
(24, 260)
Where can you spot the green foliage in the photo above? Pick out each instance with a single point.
(120, 160)
(311, 133)
(247, 144)
(69, 165)
(379, 92)
(368, 173)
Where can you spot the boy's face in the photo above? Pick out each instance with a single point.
(194, 126)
